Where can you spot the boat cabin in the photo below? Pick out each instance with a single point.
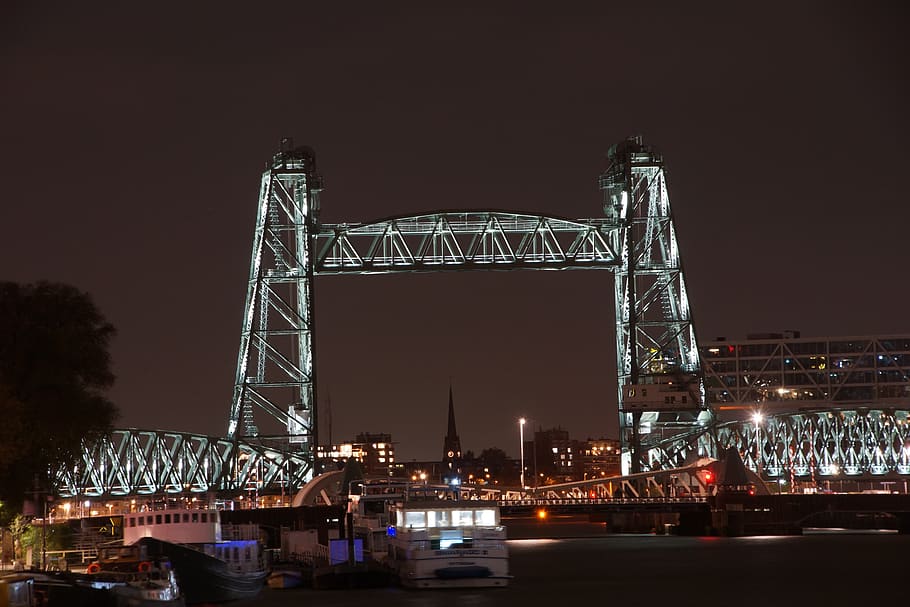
(179, 526)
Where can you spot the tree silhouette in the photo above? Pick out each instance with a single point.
(54, 367)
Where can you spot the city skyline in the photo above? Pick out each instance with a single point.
(132, 166)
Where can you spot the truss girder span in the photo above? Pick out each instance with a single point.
(136, 462)
(466, 240)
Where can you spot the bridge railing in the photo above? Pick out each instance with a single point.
(695, 499)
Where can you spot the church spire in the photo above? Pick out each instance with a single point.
(452, 432)
(451, 456)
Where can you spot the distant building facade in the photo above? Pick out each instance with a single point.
(600, 457)
(375, 452)
(553, 457)
(784, 372)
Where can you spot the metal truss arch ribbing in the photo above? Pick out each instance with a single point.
(134, 462)
(826, 443)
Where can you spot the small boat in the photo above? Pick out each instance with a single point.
(134, 579)
(845, 531)
(288, 576)
(849, 522)
(213, 564)
(442, 543)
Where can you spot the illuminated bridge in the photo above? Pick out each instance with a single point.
(666, 416)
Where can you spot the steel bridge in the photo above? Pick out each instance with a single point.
(665, 417)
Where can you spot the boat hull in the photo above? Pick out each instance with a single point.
(203, 578)
(286, 579)
(454, 569)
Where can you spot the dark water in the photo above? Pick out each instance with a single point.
(666, 570)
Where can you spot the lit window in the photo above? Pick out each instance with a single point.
(415, 518)
(462, 518)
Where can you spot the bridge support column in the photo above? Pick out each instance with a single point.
(661, 388)
(275, 367)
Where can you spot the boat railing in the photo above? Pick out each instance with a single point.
(321, 555)
(307, 558)
(62, 560)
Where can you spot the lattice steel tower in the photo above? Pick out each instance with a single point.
(662, 407)
(275, 366)
(661, 395)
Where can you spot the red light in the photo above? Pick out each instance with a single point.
(709, 476)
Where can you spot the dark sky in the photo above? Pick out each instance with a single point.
(133, 138)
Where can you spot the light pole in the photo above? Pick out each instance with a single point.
(521, 435)
(757, 417)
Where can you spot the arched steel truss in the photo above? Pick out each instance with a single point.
(665, 419)
(135, 462)
(827, 443)
(817, 444)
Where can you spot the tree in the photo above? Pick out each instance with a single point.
(54, 368)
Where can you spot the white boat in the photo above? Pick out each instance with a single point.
(438, 544)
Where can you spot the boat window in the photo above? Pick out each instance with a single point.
(205, 517)
(443, 518)
(141, 521)
(132, 521)
(462, 518)
(415, 518)
(485, 517)
(157, 519)
(167, 519)
(186, 517)
(195, 517)
(431, 518)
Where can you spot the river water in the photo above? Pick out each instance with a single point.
(632, 570)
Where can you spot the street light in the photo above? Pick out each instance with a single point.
(757, 418)
(521, 435)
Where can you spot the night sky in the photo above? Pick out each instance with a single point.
(133, 139)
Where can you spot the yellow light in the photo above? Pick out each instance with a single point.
(542, 514)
